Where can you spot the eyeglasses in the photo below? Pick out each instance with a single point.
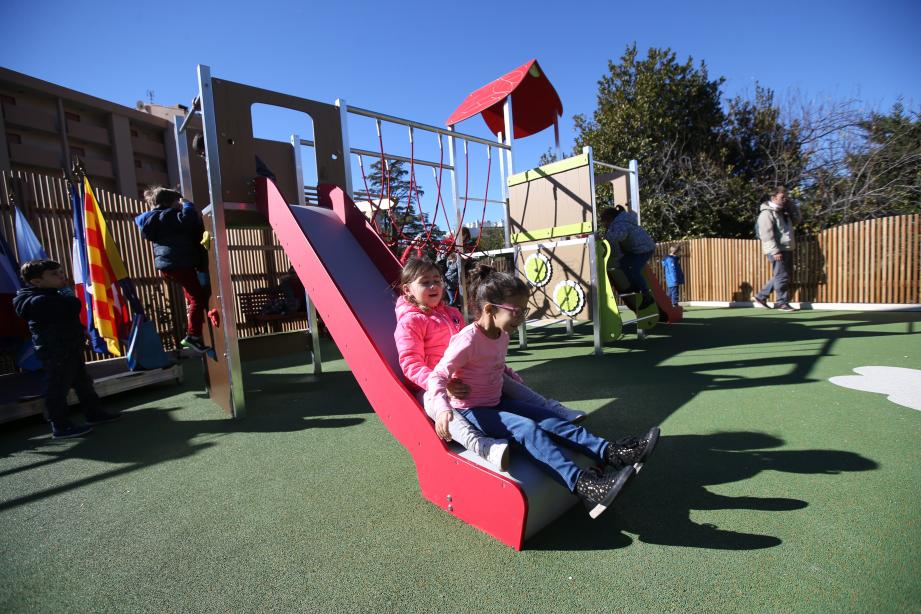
(516, 312)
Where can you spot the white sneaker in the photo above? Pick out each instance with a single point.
(495, 451)
(572, 415)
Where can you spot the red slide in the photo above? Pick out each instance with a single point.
(350, 276)
(668, 312)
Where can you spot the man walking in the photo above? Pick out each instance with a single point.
(776, 220)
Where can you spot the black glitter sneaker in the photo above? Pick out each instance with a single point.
(631, 450)
(598, 491)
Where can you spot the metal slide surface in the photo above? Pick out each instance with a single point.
(349, 275)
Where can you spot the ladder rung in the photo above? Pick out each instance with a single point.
(634, 321)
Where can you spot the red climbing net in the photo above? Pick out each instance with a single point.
(394, 235)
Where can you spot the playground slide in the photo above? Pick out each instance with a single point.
(668, 312)
(349, 275)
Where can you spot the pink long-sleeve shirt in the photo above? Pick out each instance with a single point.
(476, 360)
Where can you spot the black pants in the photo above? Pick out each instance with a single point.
(780, 281)
(63, 372)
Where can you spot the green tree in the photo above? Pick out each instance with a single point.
(758, 150)
(666, 115)
(404, 223)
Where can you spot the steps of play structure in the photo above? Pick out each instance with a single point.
(350, 276)
(20, 393)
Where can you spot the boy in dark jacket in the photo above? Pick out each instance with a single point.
(175, 228)
(59, 337)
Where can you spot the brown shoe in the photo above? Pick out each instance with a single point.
(787, 307)
(759, 301)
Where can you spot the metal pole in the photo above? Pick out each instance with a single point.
(523, 329)
(635, 189)
(347, 162)
(506, 231)
(459, 220)
(315, 357)
(298, 169)
(590, 245)
(509, 132)
(185, 165)
(222, 254)
(556, 137)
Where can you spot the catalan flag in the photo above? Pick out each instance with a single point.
(104, 267)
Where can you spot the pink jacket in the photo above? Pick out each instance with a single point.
(476, 360)
(422, 338)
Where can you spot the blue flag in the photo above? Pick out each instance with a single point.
(145, 348)
(27, 243)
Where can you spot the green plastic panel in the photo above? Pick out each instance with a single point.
(549, 169)
(552, 233)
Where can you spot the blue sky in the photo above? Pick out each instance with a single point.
(420, 59)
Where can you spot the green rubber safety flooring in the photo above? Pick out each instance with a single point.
(772, 489)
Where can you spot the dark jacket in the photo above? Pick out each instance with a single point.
(625, 235)
(176, 235)
(54, 320)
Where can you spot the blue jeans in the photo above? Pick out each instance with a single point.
(538, 430)
(673, 294)
(632, 266)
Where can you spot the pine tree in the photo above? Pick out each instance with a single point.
(404, 223)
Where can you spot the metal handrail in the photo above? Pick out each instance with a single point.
(430, 128)
(616, 168)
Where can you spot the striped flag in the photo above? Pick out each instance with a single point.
(104, 268)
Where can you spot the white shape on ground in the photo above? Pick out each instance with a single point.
(901, 385)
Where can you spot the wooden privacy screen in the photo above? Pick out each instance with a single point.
(875, 261)
(256, 257)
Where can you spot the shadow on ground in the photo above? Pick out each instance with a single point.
(646, 387)
(657, 505)
(151, 435)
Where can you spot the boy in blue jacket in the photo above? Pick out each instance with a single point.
(175, 228)
(59, 337)
(674, 276)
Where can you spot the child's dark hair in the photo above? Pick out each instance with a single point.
(487, 285)
(34, 269)
(415, 268)
(608, 214)
(158, 196)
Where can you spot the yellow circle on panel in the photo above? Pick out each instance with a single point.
(538, 270)
(569, 297)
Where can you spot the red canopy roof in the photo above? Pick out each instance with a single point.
(535, 104)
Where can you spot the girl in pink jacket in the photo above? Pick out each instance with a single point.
(476, 355)
(425, 325)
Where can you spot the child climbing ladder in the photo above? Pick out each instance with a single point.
(176, 229)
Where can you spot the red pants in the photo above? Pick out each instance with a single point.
(196, 296)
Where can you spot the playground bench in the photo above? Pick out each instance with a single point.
(268, 305)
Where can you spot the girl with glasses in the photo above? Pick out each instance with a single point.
(425, 324)
(476, 355)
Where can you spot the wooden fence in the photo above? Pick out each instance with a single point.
(875, 261)
(257, 259)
